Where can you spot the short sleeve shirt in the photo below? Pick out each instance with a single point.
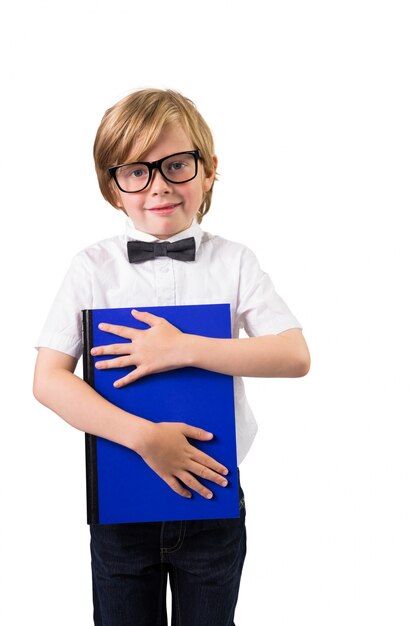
(223, 272)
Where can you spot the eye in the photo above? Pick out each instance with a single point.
(137, 172)
(134, 171)
(179, 168)
(176, 166)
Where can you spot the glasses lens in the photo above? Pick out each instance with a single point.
(133, 177)
(179, 168)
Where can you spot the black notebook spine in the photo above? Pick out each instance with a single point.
(90, 440)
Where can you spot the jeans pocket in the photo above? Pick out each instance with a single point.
(242, 504)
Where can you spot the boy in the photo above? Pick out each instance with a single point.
(155, 161)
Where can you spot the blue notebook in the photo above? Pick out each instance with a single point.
(121, 487)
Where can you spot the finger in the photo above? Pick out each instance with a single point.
(202, 471)
(191, 482)
(197, 433)
(148, 318)
(115, 348)
(177, 487)
(123, 361)
(129, 378)
(123, 331)
(204, 459)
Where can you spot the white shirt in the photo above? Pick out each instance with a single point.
(223, 272)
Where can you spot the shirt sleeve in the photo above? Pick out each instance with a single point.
(63, 327)
(260, 310)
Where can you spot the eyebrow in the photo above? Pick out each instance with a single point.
(157, 160)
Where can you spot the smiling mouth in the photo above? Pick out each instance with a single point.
(164, 208)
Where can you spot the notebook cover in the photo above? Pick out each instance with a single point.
(121, 487)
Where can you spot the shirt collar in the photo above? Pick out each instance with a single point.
(194, 230)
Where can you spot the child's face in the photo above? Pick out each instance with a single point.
(163, 209)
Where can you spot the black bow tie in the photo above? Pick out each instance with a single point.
(182, 250)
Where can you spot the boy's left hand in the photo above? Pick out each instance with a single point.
(157, 349)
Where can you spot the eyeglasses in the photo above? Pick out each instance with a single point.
(177, 168)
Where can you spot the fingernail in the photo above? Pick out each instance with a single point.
(225, 472)
(209, 496)
(102, 326)
(93, 351)
(116, 384)
(99, 365)
(224, 483)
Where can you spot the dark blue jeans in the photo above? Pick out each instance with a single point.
(203, 559)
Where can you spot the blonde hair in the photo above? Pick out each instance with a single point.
(135, 122)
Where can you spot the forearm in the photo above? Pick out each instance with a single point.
(283, 355)
(83, 408)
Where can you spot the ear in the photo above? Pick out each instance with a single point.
(209, 177)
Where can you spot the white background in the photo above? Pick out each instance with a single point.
(313, 107)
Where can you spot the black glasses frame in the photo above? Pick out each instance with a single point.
(156, 165)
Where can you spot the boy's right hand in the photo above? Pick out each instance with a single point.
(166, 449)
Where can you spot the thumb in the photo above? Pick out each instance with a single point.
(148, 318)
(197, 433)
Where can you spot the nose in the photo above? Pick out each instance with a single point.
(158, 183)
